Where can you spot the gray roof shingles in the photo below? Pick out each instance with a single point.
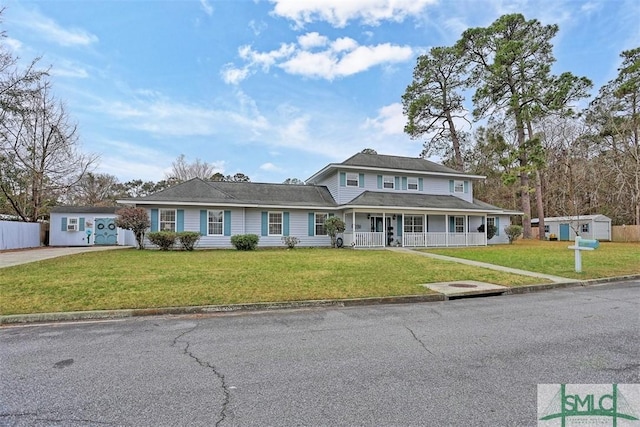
(85, 209)
(244, 193)
(422, 201)
(396, 162)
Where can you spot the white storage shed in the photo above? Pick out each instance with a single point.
(568, 227)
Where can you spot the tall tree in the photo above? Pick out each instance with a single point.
(293, 181)
(96, 189)
(182, 171)
(433, 101)
(39, 143)
(511, 62)
(615, 115)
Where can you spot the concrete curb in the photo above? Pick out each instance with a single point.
(267, 306)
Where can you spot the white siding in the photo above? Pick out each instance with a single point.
(18, 235)
(501, 235)
(332, 185)
(58, 237)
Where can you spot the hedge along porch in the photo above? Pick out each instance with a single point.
(87, 226)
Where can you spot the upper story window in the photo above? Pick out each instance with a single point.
(388, 182)
(215, 223)
(353, 180)
(275, 223)
(412, 184)
(458, 187)
(167, 220)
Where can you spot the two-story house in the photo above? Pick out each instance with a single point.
(384, 201)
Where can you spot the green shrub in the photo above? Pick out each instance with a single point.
(188, 239)
(513, 232)
(245, 242)
(163, 239)
(334, 225)
(290, 241)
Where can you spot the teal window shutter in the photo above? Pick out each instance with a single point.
(180, 220)
(450, 186)
(343, 179)
(420, 184)
(466, 186)
(285, 224)
(154, 219)
(361, 180)
(497, 224)
(81, 224)
(64, 223)
(312, 224)
(204, 223)
(227, 223)
(452, 224)
(399, 226)
(397, 183)
(404, 182)
(379, 181)
(265, 223)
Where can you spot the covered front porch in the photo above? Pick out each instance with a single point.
(413, 229)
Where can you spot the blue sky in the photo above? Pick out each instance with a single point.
(274, 89)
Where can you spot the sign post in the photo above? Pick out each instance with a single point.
(582, 245)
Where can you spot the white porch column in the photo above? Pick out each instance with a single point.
(466, 230)
(446, 227)
(384, 229)
(353, 224)
(486, 225)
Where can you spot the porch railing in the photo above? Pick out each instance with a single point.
(368, 239)
(432, 239)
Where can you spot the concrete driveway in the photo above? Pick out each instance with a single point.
(23, 256)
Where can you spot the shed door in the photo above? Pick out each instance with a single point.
(564, 231)
(105, 231)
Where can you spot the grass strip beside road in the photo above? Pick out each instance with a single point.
(129, 278)
(609, 260)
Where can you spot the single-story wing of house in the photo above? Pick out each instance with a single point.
(384, 201)
(87, 225)
(568, 227)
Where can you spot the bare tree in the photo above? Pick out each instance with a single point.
(182, 171)
(96, 189)
(39, 151)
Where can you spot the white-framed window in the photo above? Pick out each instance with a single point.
(546, 229)
(275, 223)
(491, 221)
(388, 182)
(413, 223)
(167, 220)
(458, 186)
(459, 224)
(215, 223)
(584, 228)
(353, 180)
(73, 224)
(320, 229)
(412, 184)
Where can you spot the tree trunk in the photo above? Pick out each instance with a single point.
(456, 143)
(525, 197)
(539, 206)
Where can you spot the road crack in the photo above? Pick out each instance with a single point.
(415, 337)
(209, 366)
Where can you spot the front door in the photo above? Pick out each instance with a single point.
(105, 231)
(564, 231)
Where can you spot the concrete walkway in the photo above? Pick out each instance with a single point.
(24, 256)
(554, 279)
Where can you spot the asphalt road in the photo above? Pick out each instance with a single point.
(468, 362)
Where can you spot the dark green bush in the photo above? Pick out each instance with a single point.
(163, 239)
(245, 242)
(491, 230)
(188, 239)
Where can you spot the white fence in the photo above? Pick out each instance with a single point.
(420, 240)
(18, 235)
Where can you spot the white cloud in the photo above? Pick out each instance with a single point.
(14, 45)
(338, 13)
(339, 58)
(257, 27)
(51, 30)
(206, 7)
(66, 68)
(270, 167)
(390, 120)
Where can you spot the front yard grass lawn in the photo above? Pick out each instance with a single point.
(129, 278)
(611, 259)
